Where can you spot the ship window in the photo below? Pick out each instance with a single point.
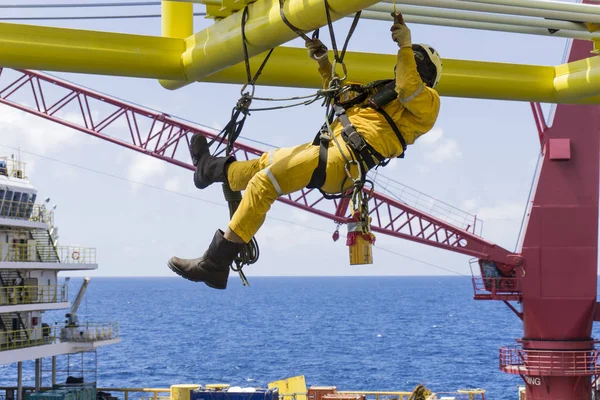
(3, 169)
(6, 206)
(23, 206)
(14, 211)
(2, 192)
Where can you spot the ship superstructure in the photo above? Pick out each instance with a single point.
(30, 261)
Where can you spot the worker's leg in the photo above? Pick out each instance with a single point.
(210, 169)
(239, 173)
(290, 171)
(213, 267)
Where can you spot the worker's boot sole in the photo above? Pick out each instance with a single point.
(213, 267)
(181, 274)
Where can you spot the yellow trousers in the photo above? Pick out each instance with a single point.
(280, 172)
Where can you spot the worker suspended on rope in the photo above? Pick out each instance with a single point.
(375, 126)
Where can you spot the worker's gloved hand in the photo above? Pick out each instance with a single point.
(316, 49)
(401, 35)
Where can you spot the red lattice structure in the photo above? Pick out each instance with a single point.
(166, 138)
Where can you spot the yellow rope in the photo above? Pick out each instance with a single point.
(394, 6)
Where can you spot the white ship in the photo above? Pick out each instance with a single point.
(30, 261)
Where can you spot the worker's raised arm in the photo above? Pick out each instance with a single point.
(318, 51)
(414, 84)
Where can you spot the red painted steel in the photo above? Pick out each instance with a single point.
(508, 289)
(161, 136)
(560, 250)
(540, 363)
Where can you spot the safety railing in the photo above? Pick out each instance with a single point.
(496, 285)
(42, 214)
(432, 206)
(12, 168)
(165, 393)
(516, 360)
(12, 295)
(23, 210)
(85, 332)
(17, 252)
(89, 332)
(22, 338)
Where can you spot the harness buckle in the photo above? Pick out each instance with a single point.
(353, 138)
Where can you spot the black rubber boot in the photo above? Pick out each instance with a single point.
(213, 267)
(209, 169)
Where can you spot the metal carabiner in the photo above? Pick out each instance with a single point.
(344, 69)
(244, 88)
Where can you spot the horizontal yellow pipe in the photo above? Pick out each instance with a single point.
(220, 45)
(473, 79)
(90, 52)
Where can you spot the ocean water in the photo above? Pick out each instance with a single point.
(356, 333)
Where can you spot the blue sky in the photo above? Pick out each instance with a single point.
(479, 157)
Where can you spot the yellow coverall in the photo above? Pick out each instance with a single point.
(287, 170)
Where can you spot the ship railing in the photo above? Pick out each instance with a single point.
(23, 338)
(12, 295)
(41, 214)
(26, 252)
(89, 332)
(25, 210)
(12, 168)
(120, 393)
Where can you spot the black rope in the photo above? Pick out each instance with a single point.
(298, 32)
(340, 58)
(230, 133)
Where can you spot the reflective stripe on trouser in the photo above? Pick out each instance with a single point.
(277, 173)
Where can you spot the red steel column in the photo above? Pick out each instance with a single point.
(560, 250)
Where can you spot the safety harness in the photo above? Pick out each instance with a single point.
(384, 93)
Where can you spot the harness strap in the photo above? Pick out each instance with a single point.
(364, 152)
(320, 173)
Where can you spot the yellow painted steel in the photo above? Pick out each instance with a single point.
(577, 80)
(182, 391)
(90, 52)
(177, 19)
(293, 388)
(220, 45)
(104, 53)
(476, 79)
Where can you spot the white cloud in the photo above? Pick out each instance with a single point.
(143, 168)
(446, 151)
(431, 137)
(20, 129)
(173, 184)
(503, 210)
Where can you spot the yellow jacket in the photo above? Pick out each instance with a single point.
(415, 110)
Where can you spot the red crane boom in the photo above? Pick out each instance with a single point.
(162, 136)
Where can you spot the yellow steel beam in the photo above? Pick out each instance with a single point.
(577, 79)
(177, 20)
(473, 79)
(69, 50)
(90, 52)
(220, 45)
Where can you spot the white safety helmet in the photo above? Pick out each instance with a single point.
(430, 68)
